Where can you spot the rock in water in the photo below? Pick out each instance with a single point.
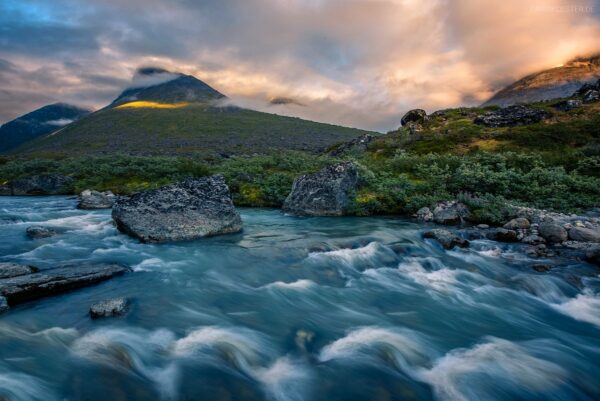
(3, 305)
(53, 184)
(8, 270)
(511, 116)
(553, 233)
(519, 223)
(584, 234)
(186, 210)
(109, 307)
(38, 232)
(90, 199)
(446, 238)
(450, 213)
(325, 193)
(54, 281)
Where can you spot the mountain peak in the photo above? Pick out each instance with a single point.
(155, 84)
(553, 83)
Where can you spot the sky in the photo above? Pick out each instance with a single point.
(360, 63)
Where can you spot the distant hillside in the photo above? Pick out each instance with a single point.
(554, 83)
(37, 123)
(183, 115)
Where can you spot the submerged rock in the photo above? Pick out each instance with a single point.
(186, 210)
(583, 234)
(450, 213)
(511, 116)
(3, 305)
(38, 232)
(553, 233)
(503, 235)
(540, 268)
(109, 307)
(55, 281)
(51, 184)
(325, 193)
(593, 256)
(90, 199)
(446, 238)
(8, 270)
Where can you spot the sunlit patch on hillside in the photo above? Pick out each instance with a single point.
(140, 104)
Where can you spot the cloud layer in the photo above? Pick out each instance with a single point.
(353, 62)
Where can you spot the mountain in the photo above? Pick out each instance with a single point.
(37, 123)
(554, 83)
(175, 114)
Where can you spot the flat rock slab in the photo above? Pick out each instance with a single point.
(90, 199)
(109, 307)
(186, 210)
(8, 270)
(55, 281)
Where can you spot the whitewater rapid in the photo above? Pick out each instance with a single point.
(296, 309)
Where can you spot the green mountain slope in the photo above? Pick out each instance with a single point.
(178, 115)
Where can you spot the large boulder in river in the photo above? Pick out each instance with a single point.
(583, 234)
(51, 184)
(48, 282)
(187, 210)
(325, 193)
(90, 199)
(511, 116)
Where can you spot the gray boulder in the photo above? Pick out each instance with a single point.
(591, 96)
(553, 233)
(55, 281)
(186, 210)
(446, 238)
(583, 234)
(450, 213)
(593, 256)
(533, 239)
(13, 270)
(359, 144)
(424, 214)
(38, 232)
(325, 193)
(90, 199)
(50, 184)
(519, 223)
(417, 116)
(109, 307)
(511, 116)
(503, 235)
(568, 105)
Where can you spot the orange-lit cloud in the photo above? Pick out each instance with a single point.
(354, 62)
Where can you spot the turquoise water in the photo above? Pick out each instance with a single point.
(296, 309)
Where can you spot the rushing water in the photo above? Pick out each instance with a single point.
(296, 309)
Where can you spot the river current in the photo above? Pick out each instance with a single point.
(296, 309)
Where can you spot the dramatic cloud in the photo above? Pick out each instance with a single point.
(353, 62)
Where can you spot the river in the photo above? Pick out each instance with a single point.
(296, 309)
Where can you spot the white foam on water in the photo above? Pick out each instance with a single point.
(442, 280)
(303, 284)
(285, 380)
(22, 387)
(405, 347)
(584, 307)
(135, 349)
(487, 371)
(351, 258)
